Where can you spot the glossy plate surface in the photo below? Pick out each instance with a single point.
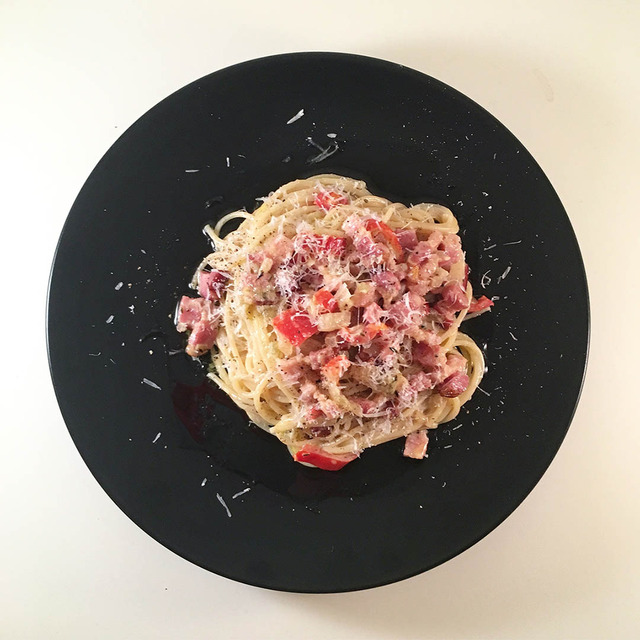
(174, 453)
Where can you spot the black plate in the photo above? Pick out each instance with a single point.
(138, 220)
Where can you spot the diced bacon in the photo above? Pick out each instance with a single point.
(387, 357)
(287, 281)
(401, 270)
(362, 334)
(454, 385)
(388, 285)
(455, 362)
(367, 250)
(200, 317)
(406, 395)
(451, 250)
(415, 445)
(321, 431)
(364, 295)
(202, 338)
(312, 344)
(313, 414)
(308, 392)
(417, 382)
(407, 238)
(336, 341)
(312, 278)
(453, 298)
(258, 289)
(419, 288)
(423, 266)
(257, 257)
(380, 230)
(430, 356)
(330, 409)
(336, 368)
(313, 400)
(189, 312)
(317, 359)
(353, 225)
(372, 313)
(211, 284)
(293, 369)
(481, 304)
(421, 381)
(318, 246)
(371, 405)
(279, 249)
(407, 312)
(434, 239)
(422, 252)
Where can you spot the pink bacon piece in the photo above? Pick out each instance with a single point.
(199, 316)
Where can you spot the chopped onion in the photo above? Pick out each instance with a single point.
(333, 321)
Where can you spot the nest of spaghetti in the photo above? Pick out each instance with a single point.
(333, 316)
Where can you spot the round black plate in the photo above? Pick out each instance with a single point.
(172, 451)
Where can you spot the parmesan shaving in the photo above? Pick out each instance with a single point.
(224, 504)
(151, 384)
(296, 117)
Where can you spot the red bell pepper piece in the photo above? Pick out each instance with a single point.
(362, 334)
(324, 299)
(466, 276)
(324, 244)
(387, 233)
(480, 304)
(336, 368)
(333, 244)
(327, 461)
(328, 199)
(295, 326)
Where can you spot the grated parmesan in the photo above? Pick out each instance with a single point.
(324, 152)
(296, 117)
(224, 504)
(505, 273)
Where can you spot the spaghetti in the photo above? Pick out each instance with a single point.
(333, 318)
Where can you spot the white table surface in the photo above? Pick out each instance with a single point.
(563, 76)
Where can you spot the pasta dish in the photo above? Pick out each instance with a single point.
(332, 317)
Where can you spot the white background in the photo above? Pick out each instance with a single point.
(563, 76)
